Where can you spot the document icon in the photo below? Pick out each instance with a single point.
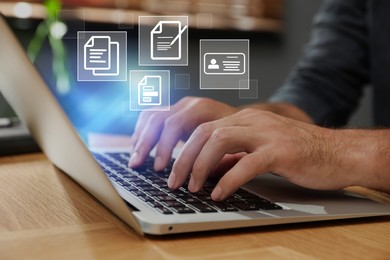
(101, 56)
(165, 40)
(149, 91)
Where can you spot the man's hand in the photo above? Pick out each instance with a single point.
(166, 129)
(241, 144)
(305, 154)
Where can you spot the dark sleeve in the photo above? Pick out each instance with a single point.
(328, 81)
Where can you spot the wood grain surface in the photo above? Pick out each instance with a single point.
(45, 215)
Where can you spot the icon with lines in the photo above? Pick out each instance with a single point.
(102, 56)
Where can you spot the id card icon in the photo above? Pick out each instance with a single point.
(149, 91)
(224, 64)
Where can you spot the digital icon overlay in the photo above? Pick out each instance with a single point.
(163, 40)
(102, 56)
(149, 89)
(224, 64)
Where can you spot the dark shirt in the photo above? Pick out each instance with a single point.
(349, 49)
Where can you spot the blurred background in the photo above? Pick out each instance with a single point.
(277, 30)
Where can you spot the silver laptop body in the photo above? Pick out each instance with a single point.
(35, 105)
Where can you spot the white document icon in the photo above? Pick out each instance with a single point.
(165, 40)
(101, 56)
(149, 91)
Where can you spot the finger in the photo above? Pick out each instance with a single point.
(225, 140)
(183, 164)
(139, 126)
(170, 136)
(140, 143)
(227, 162)
(245, 170)
(147, 139)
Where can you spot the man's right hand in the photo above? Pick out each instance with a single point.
(166, 129)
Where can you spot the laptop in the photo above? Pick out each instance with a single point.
(14, 136)
(140, 197)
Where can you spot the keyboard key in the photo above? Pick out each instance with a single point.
(137, 193)
(209, 184)
(156, 193)
(139, 183)
(271, 206)
(155, 204)
(131, 178)
(222, 206)
(203, 207)
(115, 178)
(202, 193)
(130, 188)
(149, 188)
(158, 181)
(205, 198)
(189, 199)
(246, 206)
(234, 200)
(164, 198)
(163, 210)
(262, 203)
(208, 189)
(177, 193)
(173, 204)
(183, 210)
(145, 198)
(245, 194)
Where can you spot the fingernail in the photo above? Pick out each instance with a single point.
(133, 159)
(172, 180)
(158, 164)
(192, 185)
(216, 194)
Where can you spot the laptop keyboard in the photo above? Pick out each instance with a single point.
(151, 187)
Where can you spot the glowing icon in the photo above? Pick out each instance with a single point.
(224, 64)
(231, 63)
(165, 40)
(102, 56)
(149, 91)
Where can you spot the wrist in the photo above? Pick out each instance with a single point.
(364, 158)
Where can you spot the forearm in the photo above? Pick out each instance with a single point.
(363, 156)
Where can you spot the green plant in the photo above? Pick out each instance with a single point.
(45, 31)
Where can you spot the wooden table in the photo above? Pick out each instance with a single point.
(45, 215)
